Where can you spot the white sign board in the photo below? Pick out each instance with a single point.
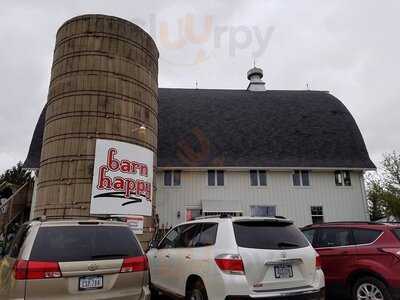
(135, 223)
(122, 179)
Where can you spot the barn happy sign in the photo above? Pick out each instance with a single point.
(122, 179)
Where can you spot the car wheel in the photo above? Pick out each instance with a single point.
(154, 293)
(197, 291)
(370, 288)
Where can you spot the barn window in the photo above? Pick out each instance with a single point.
(215, 178)
(317, 214)
(301, 178)
(342, 178)
(172, 178)
(258, 178)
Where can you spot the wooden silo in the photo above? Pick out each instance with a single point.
(103, 85)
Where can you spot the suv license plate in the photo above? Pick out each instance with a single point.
(283, 271)
(90, 283)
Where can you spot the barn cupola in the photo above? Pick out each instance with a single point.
(256, 84)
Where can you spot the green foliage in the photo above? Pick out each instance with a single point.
(384, 189)
(15, 176)
(375, 201)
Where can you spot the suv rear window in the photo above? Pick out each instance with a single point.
(268, 235)
(82, 243)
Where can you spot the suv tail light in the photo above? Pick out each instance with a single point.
(230, 263)
(25, 269)
(392, 251)
(318, 262)
(134, 264)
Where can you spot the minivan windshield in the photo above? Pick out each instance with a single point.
(84, 243)
(268, 235)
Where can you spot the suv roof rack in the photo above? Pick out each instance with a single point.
(220, 216)
(346, 222)
(387, 222)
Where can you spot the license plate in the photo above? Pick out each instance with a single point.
(283, 271)
(90, 283)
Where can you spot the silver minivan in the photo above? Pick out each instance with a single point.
(74, 259)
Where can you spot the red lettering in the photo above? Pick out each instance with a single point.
(129, 187)
(119, 183)
(112, 162)
(104, 181)
(140, 188)
(148, 191)
(144, 170)
(125, 166)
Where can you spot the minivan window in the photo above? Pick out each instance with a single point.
(268, 235)
(365, 236)
(82, 243)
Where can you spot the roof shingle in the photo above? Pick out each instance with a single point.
(240, 128)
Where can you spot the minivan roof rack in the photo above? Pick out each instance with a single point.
(45, 218)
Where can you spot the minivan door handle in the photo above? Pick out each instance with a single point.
(167, 255)
(188, 257)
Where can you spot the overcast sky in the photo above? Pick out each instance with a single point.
(350, 48)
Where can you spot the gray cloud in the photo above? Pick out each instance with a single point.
(347, 47)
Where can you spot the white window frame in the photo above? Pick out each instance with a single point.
(172, 178)
(301, 179)
(258, 178)
(342, 173)
(216, 178)
(315, 215)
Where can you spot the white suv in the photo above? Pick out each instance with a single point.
(225, 258)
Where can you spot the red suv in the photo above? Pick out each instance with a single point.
(359, 258)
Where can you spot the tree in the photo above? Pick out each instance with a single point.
(375, 200)
(391, 175)
(16, 175)
(384, 188)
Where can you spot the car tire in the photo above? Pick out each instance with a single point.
(376, 289)
(154, 293)
(197, 291)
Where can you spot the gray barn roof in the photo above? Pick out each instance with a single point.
(240, 128)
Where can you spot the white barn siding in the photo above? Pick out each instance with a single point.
(339, 203)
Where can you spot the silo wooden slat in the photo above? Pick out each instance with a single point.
(103, 85)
